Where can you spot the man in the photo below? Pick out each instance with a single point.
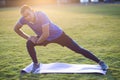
(47, 32)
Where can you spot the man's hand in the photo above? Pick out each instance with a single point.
(34, 39)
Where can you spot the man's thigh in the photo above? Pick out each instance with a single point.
(43, 43)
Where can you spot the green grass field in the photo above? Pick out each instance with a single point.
(95, 27)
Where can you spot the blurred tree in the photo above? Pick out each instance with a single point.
(2, 3)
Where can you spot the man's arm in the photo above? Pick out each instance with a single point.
(45, 33)
(18, 30)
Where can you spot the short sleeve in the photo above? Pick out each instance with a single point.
(44, 19)
(22, 21)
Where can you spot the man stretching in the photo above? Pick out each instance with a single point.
(47, 32)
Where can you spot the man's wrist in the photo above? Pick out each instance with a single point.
(38, 41)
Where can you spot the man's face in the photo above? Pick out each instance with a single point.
(28, 15)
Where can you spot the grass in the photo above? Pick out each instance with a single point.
(95, 27)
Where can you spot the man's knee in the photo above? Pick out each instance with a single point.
(29, 43)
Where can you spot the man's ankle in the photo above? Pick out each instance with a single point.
(101, 62)
(35, 63)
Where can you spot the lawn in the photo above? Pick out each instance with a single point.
(94, 27)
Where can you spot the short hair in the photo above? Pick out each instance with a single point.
(24, 7)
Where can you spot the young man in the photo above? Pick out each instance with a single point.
(47, 32)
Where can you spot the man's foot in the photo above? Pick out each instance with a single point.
(103, 65)
(35, 67)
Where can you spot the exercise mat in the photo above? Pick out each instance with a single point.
(65, 68)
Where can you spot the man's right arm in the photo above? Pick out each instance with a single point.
(18, 30)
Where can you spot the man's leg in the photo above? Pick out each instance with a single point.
(65, 40)
(76, 48)
(68, 42)
(31, 50)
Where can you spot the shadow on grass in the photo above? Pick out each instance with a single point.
(113, 74)
(73, 76)
(29, 77)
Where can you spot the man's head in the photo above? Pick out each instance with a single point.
(27, 12)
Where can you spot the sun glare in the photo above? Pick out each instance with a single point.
(40, 2)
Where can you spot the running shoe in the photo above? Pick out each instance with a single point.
(35, 67)
(103, 65)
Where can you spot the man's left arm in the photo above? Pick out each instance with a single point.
(45, 33)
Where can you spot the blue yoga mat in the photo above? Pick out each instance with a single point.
(65, 68)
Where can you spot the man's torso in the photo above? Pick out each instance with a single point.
(41, 19)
